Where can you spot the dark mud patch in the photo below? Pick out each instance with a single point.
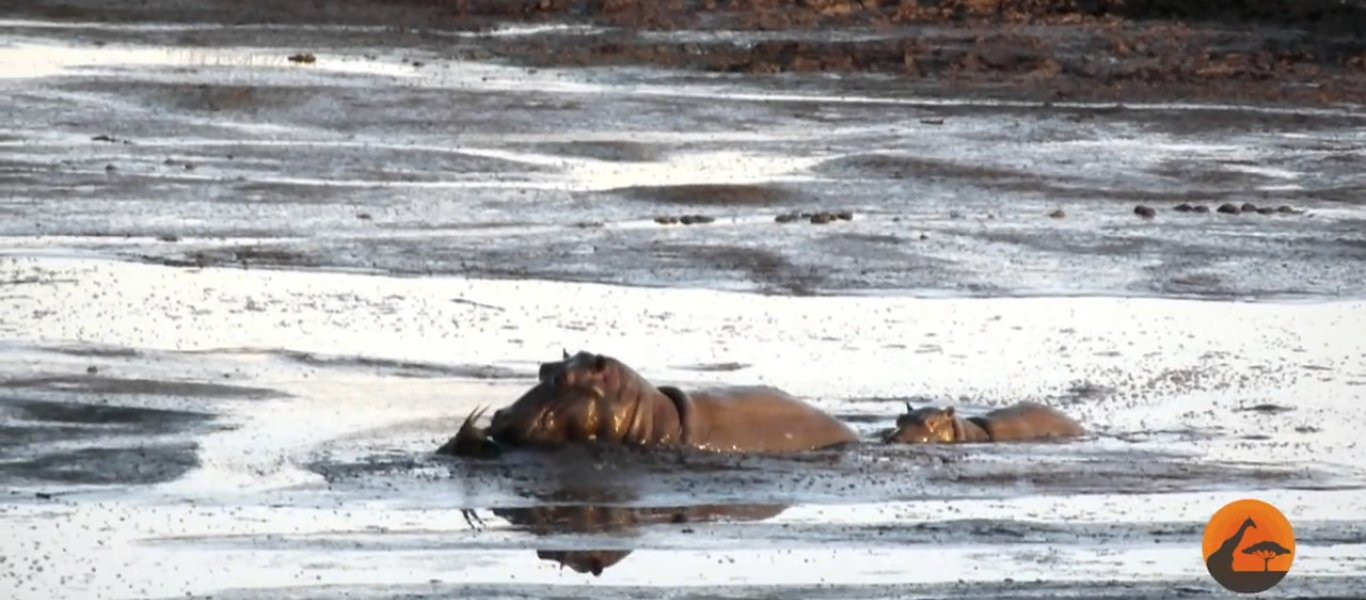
(715, 367)
(96, 444)
(1266, 409)
(96, 385)
(711, 194)
(411, 369)
(95, 351)
(872, 472)
(905, 166)
(141, 465)
(612, 151)
(769, 268)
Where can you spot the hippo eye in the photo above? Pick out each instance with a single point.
(557, 379)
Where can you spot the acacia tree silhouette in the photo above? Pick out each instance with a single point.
(1266, 551)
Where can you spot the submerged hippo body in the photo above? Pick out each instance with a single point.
(594, 398)
(1024, 421)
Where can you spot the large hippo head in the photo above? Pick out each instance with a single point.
(588, 397)
(925, 426)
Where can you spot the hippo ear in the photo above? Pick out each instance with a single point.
(909, 408)
(599, 363)
(565, 352)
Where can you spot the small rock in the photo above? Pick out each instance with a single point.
(42, 495)
(104, 138)
(92, 369)
(110, 168)
(1249, 207)
(845, 215)
(305, 58)
(1057, 214)
(1228, 208)
(1287, 209)
(1183, 207)
(588, 224)
(953, 214)
(924, 237)
(822, 218)
(1266, 210)
(169, 238)
(417, 64)
(1200, 208)
(932, 121)
(168, 162)
(1146, 212)
(189, 166)
(364, 216)
(666, 220)
(785, 218)
(896, 219)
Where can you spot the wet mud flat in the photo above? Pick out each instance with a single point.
(203, 144)
(257, 262)
(297, 460)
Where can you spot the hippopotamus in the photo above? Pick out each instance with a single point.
(595, 398)
(1024, 421)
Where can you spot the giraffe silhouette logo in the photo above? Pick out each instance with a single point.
(1249, 546)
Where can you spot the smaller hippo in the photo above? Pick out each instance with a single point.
(1025, 421)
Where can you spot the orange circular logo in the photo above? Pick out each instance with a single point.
(1249, 546)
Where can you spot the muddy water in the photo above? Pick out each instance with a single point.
(223, 379)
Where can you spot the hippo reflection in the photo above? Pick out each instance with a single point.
(581, 519)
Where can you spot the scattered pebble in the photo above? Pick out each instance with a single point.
(1183, 207)
(1201, 208)
(666, 220)
(1249, 207)
(1228, 208)
(1146, 212)
(305, 58)
(110, 168)
(822, 218)
(845, 215)
(92, 369)
(170, 238)
(932, 121)
(588, 224)
(1266, 210)
(953, 214)
(1057, 214)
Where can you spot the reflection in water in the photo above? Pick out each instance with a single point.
(548, 521)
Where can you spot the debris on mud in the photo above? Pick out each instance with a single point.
(111, 140)
(304, 58)
(685, 220)
(1228, 208)
(1057, 214)
(815, 218)
(1146, 212)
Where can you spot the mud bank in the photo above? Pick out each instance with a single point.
(1266, 51)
